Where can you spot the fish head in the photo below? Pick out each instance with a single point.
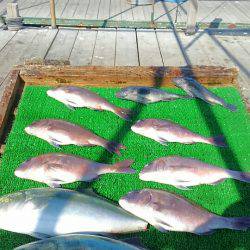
(138, 127)
(126, 93)
(57, 93)
(143, 127)
(33, 128)
(24, 169)
(136, 201)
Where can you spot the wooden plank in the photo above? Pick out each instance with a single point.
(40, 45)
(127, 11)
(243, 41)
(160, 12)
(124, 76)
(32, 9)
(70, 9)
(236, 53)
(104, 53)
(7, 98)
(192, 49)
(115, 10)
(5, 37)
(44, 11)
(149, 52)
(126, 48)
(83, 50)
(103, 13)
(93, 9)
(192, 17)
(170, 50)
(62, 45)
(60, 6)
(11, 53)
(240, 16)
(138, 13)
(82, 9)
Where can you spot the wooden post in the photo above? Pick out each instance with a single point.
(53, 14)
(191, 17)
(13, 19)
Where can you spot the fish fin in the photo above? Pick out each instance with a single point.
(54, 142)
(162, 226)
(114, 147)
(240, 176)
(218, 182)
(231, 107)
(70, 107)
(121, 167)
(123, 113)
(238, 223)
(53, 184)
(162, 141)
(207, 232)
(39, 235)
(182, 187)
(217, 141)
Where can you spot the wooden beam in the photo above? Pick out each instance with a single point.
(53, 14)
(12, 82)
(192, 17)
(100, 76)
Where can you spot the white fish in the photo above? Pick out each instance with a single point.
(46, 212)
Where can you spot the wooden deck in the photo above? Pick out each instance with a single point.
(209, 11)
(121, 47)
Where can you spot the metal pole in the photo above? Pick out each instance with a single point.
(191, 17)
(53, 14)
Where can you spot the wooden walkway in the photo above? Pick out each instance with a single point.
(209, 11)
(125, 47)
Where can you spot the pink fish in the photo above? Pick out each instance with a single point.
(184, 172)
(75, 97)
(164, 131)
(59, 132)
(56, 169)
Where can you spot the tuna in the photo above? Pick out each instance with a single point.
(184, 172)
(75, 97)
(147, 95)
(47, 212)
(60, 132)
(56, 169)
(195, 89)
(164, 131)
(170, 212)
(78, 242)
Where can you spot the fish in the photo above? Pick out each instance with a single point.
(56, 168)
(49, 212)
(60, 132)
(195, 89)
(164, 131)
(78, 242)
(167, 211)
(75, 97)
(183, 172)
(145, 95)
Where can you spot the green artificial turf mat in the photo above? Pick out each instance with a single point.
(230, 198)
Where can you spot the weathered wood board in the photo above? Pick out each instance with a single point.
(101, 76)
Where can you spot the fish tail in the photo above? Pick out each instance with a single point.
(240, 176)
(114, 147)
(121, 167)
(231, 107)
(217, 141)
(237, 223)
(123, 113)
